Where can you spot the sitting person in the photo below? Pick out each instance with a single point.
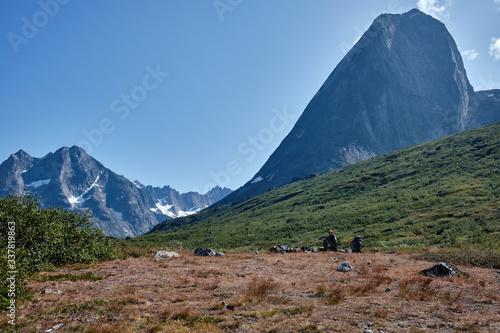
(356, 244)
(330, 242)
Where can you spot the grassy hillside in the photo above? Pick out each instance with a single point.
(443, 193)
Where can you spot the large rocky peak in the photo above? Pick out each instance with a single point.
(402, 83)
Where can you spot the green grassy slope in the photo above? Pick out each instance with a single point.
(444, 193)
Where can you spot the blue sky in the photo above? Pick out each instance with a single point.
(191, 93)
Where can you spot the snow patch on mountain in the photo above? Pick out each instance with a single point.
(76, 201)
(191, 211)
(164, 209)
(39, 183)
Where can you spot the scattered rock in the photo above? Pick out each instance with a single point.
(227, 306)
(50, 291)
(345, 267)
(369, 263)
(165, 255)
(58, 326)
(224, 294)
(388, 290)
(279, 248)
(264, 268)
(441, 269)
(206, 252)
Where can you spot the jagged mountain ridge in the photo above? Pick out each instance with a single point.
(72, 179)
(403, 83)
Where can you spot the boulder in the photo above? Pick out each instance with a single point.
(206, 252)
(165, 255)
(345, 267)
(441, 269)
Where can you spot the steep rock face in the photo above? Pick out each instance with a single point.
(403, 83)
(72, 179)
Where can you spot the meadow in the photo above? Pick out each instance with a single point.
(264, 292)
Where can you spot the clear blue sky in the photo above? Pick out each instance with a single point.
(189, 93)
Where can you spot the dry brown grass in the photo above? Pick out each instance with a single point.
(295, 292)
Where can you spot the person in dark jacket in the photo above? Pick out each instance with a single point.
(356, 244)
(330, 242)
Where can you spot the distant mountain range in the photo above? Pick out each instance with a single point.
(403, 83)
(72, 179)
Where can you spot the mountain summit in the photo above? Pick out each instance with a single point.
(72, 179)
(402, 83)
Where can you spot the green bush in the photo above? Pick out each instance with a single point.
(40, 238)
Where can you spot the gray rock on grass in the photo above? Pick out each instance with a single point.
(345, 267)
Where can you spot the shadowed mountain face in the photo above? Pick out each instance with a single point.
(72, 179)
(403, 83)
